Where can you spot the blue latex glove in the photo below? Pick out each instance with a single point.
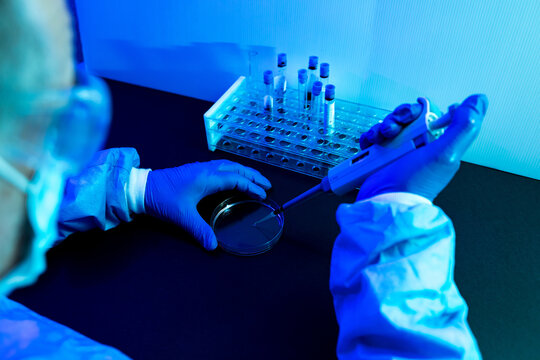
(173, 194)
(425, 171)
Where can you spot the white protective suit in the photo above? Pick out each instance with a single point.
(391, 275)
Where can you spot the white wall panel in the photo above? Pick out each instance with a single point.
(381, 53)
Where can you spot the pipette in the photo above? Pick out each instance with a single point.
(351, 173)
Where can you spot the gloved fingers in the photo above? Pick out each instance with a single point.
(391, 126)
(220, 181)
(364, 142)
(251, 174)
(452, 108)
(372, 136)
(466, 122)
(406, 113)
(199, 229)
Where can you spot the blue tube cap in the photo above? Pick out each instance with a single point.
(313, 61)
(325, 70)
(302, 76)
(317, 88)
(268, 77)
(329, 92)
(282, 60)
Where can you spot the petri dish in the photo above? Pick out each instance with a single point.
(234, 223)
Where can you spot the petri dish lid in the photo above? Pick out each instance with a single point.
(234, 223)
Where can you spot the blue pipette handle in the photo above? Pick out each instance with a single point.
(351, 173)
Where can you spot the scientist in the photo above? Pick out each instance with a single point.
(392, 264)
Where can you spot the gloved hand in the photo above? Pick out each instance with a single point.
(173, 194)
(427, 170)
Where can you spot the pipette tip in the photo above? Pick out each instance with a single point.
(267, 217)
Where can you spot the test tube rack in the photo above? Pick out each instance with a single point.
(287, 137)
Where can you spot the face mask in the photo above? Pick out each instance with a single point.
(69, 126)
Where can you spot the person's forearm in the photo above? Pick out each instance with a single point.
(100, 197)
(392, 282)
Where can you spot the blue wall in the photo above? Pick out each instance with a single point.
(382, 53)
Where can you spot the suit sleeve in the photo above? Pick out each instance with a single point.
(106, 193)
(392, 282)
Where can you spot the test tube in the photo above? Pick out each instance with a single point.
(313, 62)
(281, 83)
(302, 89)
(325, 74)
(329, 108)
(268, 101)
(316, 99)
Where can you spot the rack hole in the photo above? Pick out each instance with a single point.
(284, 160)
(240, 131)
(304, 137)
(255, 152)
(284, 143)
(269, 139)
(342, 136)
(226, 143)
(240, 147)
(269, 156)
(316, 152)
(292, 123)
(353, 150)
(336, 146)
(300, 164)
(316, 169)
(282, 132)
(300, 147)
(322, 142)
(333, 157)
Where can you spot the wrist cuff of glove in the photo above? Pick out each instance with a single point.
(136, 189)
(404, 198)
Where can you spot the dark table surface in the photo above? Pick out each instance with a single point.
(151, 291)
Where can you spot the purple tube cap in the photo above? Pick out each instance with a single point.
(313, 61)
(282, 60)
(317, 88)
(268, 77)
(325, 70)
(302, 76)
(329, 92)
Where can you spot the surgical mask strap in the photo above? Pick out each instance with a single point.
(13, 176)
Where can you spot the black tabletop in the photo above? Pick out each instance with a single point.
(148, 289)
